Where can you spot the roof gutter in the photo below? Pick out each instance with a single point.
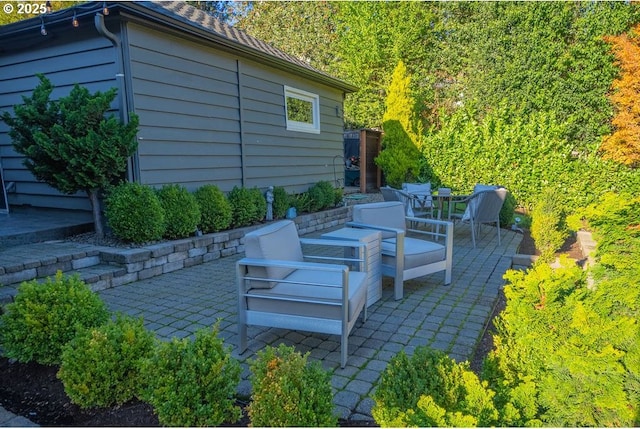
(123, 105)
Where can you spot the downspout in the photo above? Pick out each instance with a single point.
(123, 106)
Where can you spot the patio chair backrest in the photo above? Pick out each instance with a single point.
(389, 194)
(278, 241)
(388, 214)
(486, 205)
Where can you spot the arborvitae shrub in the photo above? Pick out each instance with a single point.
(46, 316)
(193, 382)
(507, 211)
(259, 204)
(134, 213)
(289, 391)
(101, 365)
(215, 210)
(280, 202)
(242, 207)
(548, 227)
(181, 211)
(430, 389)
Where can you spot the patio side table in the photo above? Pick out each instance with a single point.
(373, 241)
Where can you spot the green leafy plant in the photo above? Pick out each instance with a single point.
(46, 316)
(181, 211)
(70, 144)
(301, 201)
(215, 209)
(134, 213)
(281, 202)
(431, 389)
(259, 204)
(242, 207)
(101, 365)
(289, 391)
(548, 227)
(193, 382)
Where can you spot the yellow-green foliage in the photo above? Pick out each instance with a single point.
(193, 382)
(215, 210)
(567, 350)
(548, 225)
(431, 389)
(101, 365)
(289, 391)
(46, 316)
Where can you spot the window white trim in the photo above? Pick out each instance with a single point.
(313, 126)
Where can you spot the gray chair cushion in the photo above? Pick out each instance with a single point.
(326, 294)
(388, 214)
(416, 252)
(277, 241)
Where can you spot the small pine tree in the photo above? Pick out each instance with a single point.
(400, 157)
(70, 144)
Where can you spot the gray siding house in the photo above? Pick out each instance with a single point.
(216, 106)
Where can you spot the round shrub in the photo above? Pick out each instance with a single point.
(280, 202)
(101, 365)
(429, 389)
(181, 211)
(193, 382)
(46, 316)
(215, 210)
(134, 213)
(322, 196)
(288, 391)
(242, 206)
(259, 204)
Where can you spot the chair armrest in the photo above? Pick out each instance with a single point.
(396, 231)
(448, 229)
(256, 262)
(336, 243)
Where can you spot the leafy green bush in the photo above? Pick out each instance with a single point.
(280, 202)
(288, 391)
(134, 213)
(259, 204)
(181, 211)
(431, 389)
(242, 207)
(101, 365)
(215, 210)
(46, 316)
(193, 382)
(548, 227)
(302, 202)
(507, 211)
(321, 195)
(337, 196)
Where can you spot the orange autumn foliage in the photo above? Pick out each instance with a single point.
(623, 145)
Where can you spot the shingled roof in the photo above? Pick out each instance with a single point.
(185, 17)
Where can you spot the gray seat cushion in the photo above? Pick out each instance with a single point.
(277, 241)
(324, 294)
(416, 252)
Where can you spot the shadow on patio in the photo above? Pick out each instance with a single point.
(450, 318)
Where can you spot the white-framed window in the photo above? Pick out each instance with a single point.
(302, 110)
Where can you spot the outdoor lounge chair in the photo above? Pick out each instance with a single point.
(484, 206)
(403, 257)
(278, 288)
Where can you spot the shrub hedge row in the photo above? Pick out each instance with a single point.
(139, 214)
(107, 361)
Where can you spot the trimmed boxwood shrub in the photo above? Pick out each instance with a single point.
(215, 210)
(134, 213)
(101, 365)
(259, 204)
(242, 206)
(322, 196)
(193, 382)
(181, 211)
(280, 202)
(289, 391)
(46, 316)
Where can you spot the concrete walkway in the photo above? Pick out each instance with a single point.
(450, 318)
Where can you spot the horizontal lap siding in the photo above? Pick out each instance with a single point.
(275, 156)
(186, 96)
(73, 56)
